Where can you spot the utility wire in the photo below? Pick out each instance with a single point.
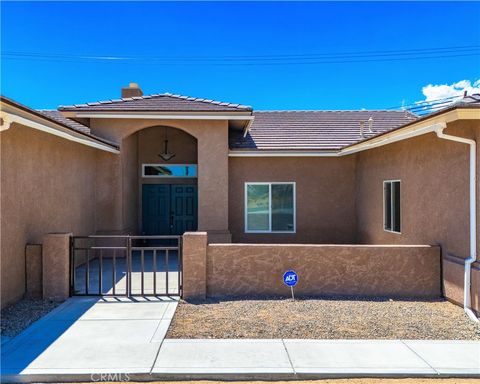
(246, 58)
(318, 58)
(418, 108)
(291, 63)
(426, 107)
(249, 57)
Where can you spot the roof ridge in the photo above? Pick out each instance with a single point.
(209, 101)
(155, 95)
(330, 110)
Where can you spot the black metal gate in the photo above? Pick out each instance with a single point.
(102, 265)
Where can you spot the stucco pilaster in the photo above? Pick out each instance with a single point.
(194, 260)
(213, 180)
(56, 262)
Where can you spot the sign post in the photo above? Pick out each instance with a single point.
(290, 279)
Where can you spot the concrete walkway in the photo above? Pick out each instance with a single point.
(85, 336)
(120, 336)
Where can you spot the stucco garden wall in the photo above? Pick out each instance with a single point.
(257, 269)
(246, 269)
(47, 185)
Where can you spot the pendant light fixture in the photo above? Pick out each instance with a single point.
(165, 155)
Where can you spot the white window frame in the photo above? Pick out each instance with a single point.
(270, 206)
(391, 206)
(167, 177)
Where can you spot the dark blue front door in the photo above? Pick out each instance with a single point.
(169, 209)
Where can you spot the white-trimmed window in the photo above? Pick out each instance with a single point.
(270, 207)
(391, 206)
(169, 170)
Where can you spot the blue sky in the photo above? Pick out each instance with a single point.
(233, 45)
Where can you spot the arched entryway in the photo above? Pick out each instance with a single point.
(161, 181)
(207, 145)
(168, 188)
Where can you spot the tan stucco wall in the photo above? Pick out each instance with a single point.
(130, 190)
(212, 154)
(325, 197)
(62, 186)
(33, 271)
(108, 182)
(257, 269)
(453, 273)
(434, 191)
(434, 176)
(47, 185)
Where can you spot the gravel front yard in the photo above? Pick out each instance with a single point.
(335, 381)
(322, 319)
(17, 317)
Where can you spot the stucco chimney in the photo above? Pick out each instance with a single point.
(132, 90)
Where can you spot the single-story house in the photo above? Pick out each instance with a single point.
(165, 164)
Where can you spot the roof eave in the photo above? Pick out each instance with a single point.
(458, 112)
(283, 153)
(95, 110)
(173, 115)
(20, 114)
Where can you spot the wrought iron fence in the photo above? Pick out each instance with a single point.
(123, 265)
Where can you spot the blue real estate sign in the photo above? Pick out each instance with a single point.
(290, 278)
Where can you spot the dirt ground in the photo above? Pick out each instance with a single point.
(337, 381)
(322, 319)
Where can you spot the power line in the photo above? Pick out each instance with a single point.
(426, 107)
(186, 63)
(317, 58)
(276, 56)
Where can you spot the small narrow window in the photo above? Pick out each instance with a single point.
(391, 204)
(169, 170)
(270, 207)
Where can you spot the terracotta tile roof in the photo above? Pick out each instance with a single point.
(58, 117)
(314, 130)
(471, 101)
(163, 102)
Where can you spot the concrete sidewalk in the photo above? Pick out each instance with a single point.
(125, 339)
(316, 358)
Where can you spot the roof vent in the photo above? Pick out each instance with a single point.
(131, 91)
(370, 124)
(362, 125)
